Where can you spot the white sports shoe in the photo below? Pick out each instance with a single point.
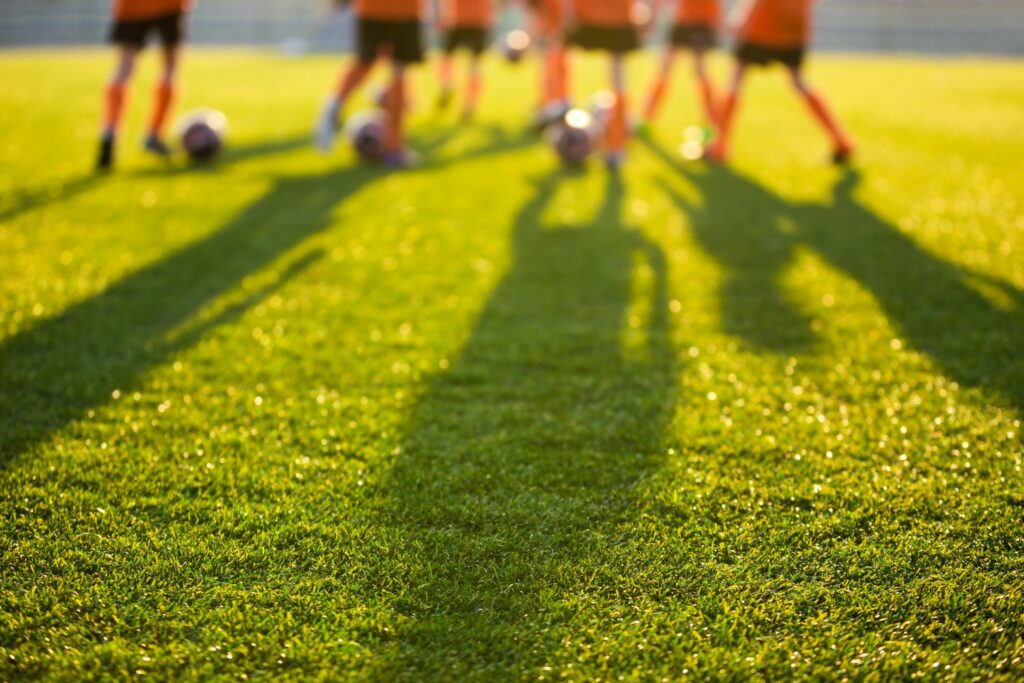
(327, 126)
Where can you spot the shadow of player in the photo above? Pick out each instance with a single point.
(534, 441)
(930, 301)
(56, 370)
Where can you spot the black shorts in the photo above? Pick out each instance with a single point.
(762, 55)
(617, 39)
(694, 36)
(403, 39)
(170, 28)
(473, 38)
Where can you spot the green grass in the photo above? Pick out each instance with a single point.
(291, 417)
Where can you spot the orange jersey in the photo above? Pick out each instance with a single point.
(548, 15)
(390, 10)
(133, 10)
(476, 13)
(777, 23)
(604, 12)
(698, 12)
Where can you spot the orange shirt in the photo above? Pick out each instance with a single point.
(133, 10)
(698, 12)
(777, 23)
(478, 13)
(604, 12)
(549, 15)
(390, 10)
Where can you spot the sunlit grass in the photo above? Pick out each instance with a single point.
(488, 419)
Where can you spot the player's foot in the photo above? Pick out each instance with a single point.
(105, 158)
(399, 159)
(327, 126)
(155, 145)
(716, 153)
(613, 160)
(841, 156)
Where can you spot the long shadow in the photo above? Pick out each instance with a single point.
(55, 371)
(523, 458)
(752, 233)
(233, 154)
(27, 199)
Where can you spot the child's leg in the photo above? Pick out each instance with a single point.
(707, 91)
(394, 140)
(473, 83)
(163, 95)
(351, 78)
(841, 142)
(114, 95)
(444, 75)
(618, 125)
(720, 149)
(560, 61)
(657, 92)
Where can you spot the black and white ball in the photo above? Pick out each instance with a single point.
(515, 45)
(365, 131)
(575, 137)
(202, 133)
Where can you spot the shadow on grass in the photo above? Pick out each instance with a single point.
(232, 154)
(931, 302)
(20, 201)
(28, 199)
(57, 370)
(522, 460)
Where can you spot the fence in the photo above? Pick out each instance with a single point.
(932, 26)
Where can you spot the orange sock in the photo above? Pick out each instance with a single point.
(473, 87)
(655, 96)
(707, 96)
(561, 74)
(618, 127)
(821, 112)
(163, 96)
(113, 105)
(726, 114)
(445, 72)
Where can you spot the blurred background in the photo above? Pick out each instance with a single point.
(925, 26)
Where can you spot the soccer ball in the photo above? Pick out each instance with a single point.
(202, 133)
(575, 137)
(365, 131)
(516, 44)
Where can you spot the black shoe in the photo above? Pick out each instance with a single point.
(105, 160)
(842, 156)
(155, 145)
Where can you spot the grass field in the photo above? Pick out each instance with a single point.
(286, 416)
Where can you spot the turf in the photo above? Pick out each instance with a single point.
(286, 416)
